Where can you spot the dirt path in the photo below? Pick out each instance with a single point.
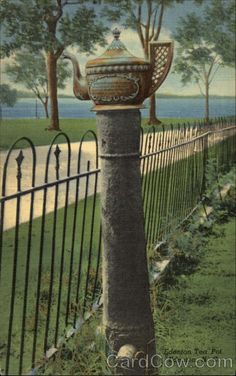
(150, 144)
(88, 154)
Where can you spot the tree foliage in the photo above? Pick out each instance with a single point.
(204, 44)
(220, 16)
(50, 26)
(8, 96)
(30, 69)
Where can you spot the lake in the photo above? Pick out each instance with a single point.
(166, 108)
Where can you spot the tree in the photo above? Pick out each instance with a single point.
(30, 69)
(146, 17)
(47, 26)
(205, 43)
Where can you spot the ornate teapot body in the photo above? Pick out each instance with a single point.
(119, 79)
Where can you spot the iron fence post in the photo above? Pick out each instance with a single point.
(205, 161)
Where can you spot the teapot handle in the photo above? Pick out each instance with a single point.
(161, 55)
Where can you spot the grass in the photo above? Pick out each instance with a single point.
(11, 130)
(83, 355)
(49, 238)
(193, 309)
(196, 314)
(46, 273)
(194, 319)
(81, 248)
(193, 305)
(8, 255)
(46, 279)
(34, 129)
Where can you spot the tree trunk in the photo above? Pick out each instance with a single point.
(207, 103)
(52, 85)
(152, 111)
(45, 105)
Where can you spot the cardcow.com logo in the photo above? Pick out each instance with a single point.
(158, 361)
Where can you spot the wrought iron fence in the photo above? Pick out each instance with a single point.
(50, 259)
(173, 166)
(50, 232)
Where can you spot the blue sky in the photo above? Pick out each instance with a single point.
(223, 84)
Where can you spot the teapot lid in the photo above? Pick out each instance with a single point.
(116, 54)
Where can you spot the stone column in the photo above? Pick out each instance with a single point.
(127, 314)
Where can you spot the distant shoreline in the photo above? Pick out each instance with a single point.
(158, 96)
(168, 107)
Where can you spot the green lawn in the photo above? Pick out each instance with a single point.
(198, 312)
(195, 320)
(46, 278)
(11, 130)
(165, 174)
(83, 244)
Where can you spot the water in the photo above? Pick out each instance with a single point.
(166, 108)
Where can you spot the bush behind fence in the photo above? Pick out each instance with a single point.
(50, 231)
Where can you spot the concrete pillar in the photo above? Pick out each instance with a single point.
(127, 314)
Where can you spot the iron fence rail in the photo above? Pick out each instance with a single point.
(50, 259)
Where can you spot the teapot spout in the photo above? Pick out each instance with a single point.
(161, 56)
(80, 85)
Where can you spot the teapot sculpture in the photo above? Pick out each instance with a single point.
(119, 79)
